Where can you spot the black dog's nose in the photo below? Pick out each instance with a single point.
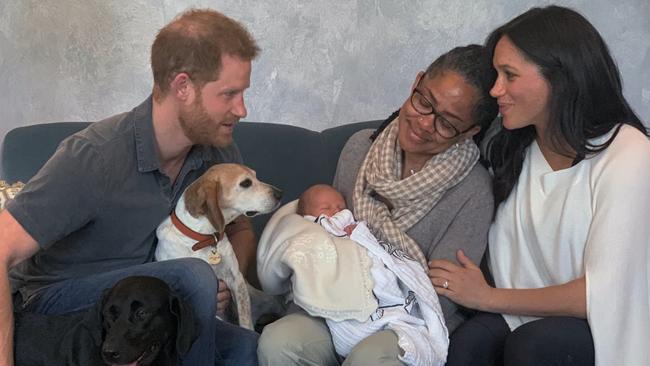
(277, 194)
(110, 354)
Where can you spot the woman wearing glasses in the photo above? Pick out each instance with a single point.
(417, 184)
(570, 243)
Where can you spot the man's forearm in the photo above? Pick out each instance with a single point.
(16, 245)
(6, 321)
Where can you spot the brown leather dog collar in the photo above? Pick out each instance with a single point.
(203, 240)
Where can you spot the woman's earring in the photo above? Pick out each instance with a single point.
(456, 145)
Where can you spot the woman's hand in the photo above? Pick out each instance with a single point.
(464, 284)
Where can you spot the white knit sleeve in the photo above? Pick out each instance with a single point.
(617, 252)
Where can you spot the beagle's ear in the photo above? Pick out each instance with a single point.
(213, 211)
(195, 198)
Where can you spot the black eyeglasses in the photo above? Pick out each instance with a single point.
(441, 125)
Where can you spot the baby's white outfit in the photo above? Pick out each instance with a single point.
(398, 280)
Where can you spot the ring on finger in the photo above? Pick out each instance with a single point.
(445, 285)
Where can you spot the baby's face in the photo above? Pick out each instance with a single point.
(325, 201)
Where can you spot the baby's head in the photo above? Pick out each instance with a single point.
(320, 199)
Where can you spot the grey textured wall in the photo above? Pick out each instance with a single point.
(324, 63)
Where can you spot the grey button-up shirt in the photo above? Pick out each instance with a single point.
(95, 205)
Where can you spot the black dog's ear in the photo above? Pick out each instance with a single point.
(95, 317)
(187, 329)
(101, 303)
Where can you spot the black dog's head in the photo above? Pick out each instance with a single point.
(144, 323)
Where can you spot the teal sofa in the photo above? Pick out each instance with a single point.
(289, 157)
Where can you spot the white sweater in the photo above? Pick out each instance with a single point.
(590, 219)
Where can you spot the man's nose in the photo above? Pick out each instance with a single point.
(239, 107)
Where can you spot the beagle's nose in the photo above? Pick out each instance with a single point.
(277, 194)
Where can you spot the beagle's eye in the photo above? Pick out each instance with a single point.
(246, 183)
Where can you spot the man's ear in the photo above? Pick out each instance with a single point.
(182, 86)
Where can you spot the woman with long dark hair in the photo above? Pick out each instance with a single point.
(570, 243)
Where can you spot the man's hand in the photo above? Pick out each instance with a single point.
(223, 299)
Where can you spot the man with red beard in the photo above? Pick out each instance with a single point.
(88, 218)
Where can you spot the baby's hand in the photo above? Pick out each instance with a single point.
(349, 229)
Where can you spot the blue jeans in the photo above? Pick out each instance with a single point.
(219, 343)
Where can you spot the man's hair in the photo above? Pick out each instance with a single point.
(194, 43)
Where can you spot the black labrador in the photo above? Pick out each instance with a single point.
(138, 322)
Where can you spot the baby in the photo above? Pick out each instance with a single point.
(325, 205)
(398, 307)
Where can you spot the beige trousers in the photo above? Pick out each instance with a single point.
(299, 339)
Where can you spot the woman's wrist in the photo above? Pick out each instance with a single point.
(487, 300)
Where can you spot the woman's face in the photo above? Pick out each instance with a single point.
(521, 90)
(452, 98)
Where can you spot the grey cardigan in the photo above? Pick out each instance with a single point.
(460, 220)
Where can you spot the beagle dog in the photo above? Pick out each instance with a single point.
(196, 226)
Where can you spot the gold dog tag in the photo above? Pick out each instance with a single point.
(214, 257)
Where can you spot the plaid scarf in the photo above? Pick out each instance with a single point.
(411, 197)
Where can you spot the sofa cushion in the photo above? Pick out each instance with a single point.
(292, 158)
(289, 157)
(26, 149)
(334, 139)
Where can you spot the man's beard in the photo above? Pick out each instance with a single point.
(200, 129)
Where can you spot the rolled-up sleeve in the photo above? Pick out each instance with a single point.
(64, 195)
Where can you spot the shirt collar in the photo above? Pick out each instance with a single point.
(145, 141)
(146, 144)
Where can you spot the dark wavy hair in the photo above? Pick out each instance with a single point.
(586, 98)
(474, 64)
